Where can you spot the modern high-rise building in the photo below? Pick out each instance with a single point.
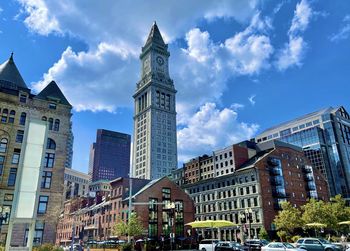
(155, 146)
(325, 138)
(18, 107)
(110, 155)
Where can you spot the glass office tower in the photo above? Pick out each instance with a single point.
(325, 138)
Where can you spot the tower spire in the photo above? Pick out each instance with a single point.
(155, 36)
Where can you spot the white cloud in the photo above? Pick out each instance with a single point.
(95, 80)
(302, 16)
(84, 19)
(211, 128)
(40, 20)
(293, 52)
(251, 99)
(199, 45)
(344, 32)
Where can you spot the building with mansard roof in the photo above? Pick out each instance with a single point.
(18, 106)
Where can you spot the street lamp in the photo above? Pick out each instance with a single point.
(172, 207)
(249, 216)
(243, 221)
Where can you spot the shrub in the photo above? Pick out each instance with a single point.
(126, 247)
(263, 234)
(295, 238)
(47, 247)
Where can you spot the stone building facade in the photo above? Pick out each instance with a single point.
(18, 106)
(155, 144)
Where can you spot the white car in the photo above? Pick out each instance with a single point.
(280, 246)
(208, 244)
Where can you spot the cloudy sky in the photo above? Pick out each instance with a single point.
(239, 66)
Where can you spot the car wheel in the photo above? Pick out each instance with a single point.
(203, 249)
(328, 249)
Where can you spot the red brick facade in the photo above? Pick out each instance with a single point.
(95, 219)
(295, 181)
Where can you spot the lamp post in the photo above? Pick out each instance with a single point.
(249, 215)
(172, 207)
(243, 221)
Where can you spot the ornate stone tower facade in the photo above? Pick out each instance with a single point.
(155, 145)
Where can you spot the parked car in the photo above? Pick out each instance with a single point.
(280, 246)
(314, 244)
(208, 244)
(255, 244)
(229, 246)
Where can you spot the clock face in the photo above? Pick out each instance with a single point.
(160, 60)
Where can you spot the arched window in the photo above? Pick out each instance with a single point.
(50, 123)
(44, 118)
(57, 125)
(22, 119)
(3, 145)
(4, 115)
(51, 144)
(12, 116)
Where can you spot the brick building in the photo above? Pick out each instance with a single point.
(152, 202)
(277, 172)
(18, 106)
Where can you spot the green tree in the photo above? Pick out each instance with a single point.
(131, 228)
(263, 234)
(337, 211)
(288, 220)
(316, 211)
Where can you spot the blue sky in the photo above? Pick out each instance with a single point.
(239, 66)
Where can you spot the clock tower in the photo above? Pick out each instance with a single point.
(155, 144)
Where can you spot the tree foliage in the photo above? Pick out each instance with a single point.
(314, 211)
(131, 228)
(288, 219)
(263, 234)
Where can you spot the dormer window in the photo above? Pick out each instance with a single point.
(23, 98)
(52, 106)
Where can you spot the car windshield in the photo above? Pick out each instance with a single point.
(264, 242)
(288, 245)
(323, 241)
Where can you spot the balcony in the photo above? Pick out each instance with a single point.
(276, 182)
(273, 162)
(274, 172)
(279, 194)
(310, 188)
(277, 206)
(307, 170)
(309, 178)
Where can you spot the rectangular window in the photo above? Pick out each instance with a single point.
(8, 197)
(52, 106)
(43, 201)
(19, 136)
(46, 179)
(12, 177)
(2, 160)
(15, 156)
(49, 160)
(23, 98)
